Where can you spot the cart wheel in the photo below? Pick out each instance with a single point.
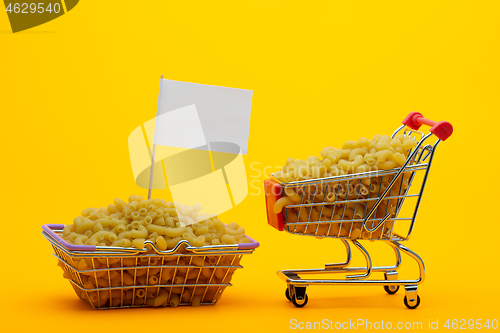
(391, 290)
(412, 306)
(300, 305)
(287, 294)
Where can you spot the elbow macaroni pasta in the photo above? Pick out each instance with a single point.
(364, 155)
(352, 155)
(163, 223)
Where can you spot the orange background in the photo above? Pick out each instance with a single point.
(73, 89)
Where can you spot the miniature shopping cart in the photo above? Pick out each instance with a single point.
(114, 277)
(387, 210)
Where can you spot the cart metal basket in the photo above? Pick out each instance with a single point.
(377, 206)
(113, 277)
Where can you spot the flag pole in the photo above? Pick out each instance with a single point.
(154, 147)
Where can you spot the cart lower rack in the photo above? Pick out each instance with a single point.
(110, 277)
(382, 205)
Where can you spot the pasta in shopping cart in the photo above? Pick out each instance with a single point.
(357, 192)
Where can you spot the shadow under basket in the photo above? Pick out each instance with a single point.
(113, 277)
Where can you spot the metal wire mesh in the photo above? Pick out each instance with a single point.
(367, 205)
(120, 281)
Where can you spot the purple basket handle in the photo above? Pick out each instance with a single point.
(48, 229)
(246, 246)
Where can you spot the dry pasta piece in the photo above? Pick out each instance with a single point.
(138, 243)
(399, 158)
(357, 151)
(355, 233)
(384, 155)
(196, 300)
(351, 145)
(162, 297)
(409, 144)
(347, 165)
(362, 168)
(161, 243)
(388, 165)
(174, 300)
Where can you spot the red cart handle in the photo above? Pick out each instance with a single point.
(441, 129)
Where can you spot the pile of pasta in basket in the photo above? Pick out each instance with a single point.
(327, 205)
(163, 223)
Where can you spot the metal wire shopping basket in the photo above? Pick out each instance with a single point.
(375, 206)
(113, 277)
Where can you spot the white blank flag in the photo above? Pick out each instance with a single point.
(193, 119)
(179, 128)
(224, 114)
